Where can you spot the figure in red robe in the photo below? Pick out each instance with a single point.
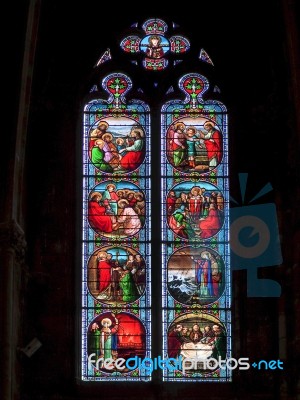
(96, 215)
(213, 143)
(171, 201)
(154, 48)
(211, 224)
(195, 203)
(134, 151)
(104, 271)
(175, 341)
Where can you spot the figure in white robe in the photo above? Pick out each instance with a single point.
(129, 218)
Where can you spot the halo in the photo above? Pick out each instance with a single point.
(204, 253)
(106, 320)
(104, 253)
(103, 123)
(139, 129)
(122, 201)
(95, 194)
(154, 37)
(107, 134)
(192, 127)
(209, 122)
(178, 124)
(136, 194)
(111, 184)
(99, 141)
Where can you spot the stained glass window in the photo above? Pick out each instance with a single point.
(203, 56)
(116, 268)
(106, 56)
(195, 235)
(194, 208)
(155, 44)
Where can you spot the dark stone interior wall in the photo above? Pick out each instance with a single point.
(247, 43)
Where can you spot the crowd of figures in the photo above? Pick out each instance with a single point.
(117, 212)
(195, 213)
(189, 148)
(119, 279)
(190, 341)
(109, 153)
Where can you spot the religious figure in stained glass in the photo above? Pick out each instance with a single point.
(195, 236)
(195, 210)
(116, 275)
(117, 145)
(115, 335)
(195, 275)
(116, 209)
(155, 44)
(116, 225)
(194, 145)
(197, 337)
(116, 268)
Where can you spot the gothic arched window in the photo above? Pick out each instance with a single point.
(155, 215)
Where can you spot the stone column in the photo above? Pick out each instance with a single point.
(12, 261)
(13, 216)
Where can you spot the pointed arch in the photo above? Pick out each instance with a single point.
(195, 234)
(116, 265)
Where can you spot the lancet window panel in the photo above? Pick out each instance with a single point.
(195, 235)
(116, 263)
